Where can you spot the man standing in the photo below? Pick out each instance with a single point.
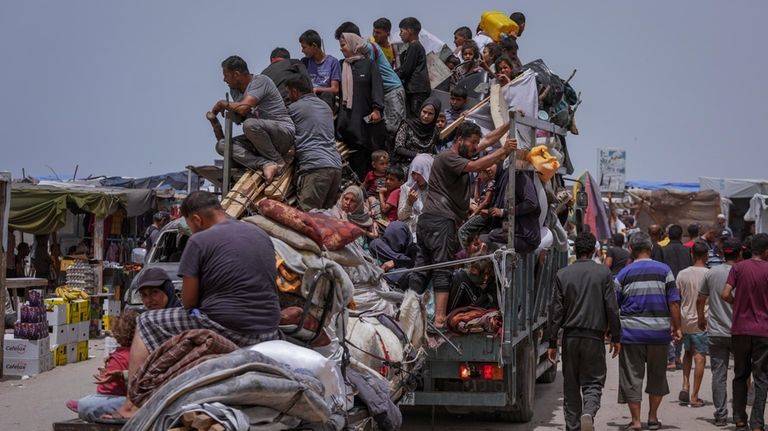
(710, 239)
(722, 225)
(650, 312)
(268, 129)
(153, 231)
(675, 255)
(656, 233)
(717, 322)
(447, 205)
(617, 258)
(695, 342)
(282, 68)
(319, 162)
(749, 333)
(584, 306)
(228, 272)
(413, 67)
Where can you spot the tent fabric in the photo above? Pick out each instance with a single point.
(758, 213)
(657, 185)
(664, 207)
(42, 209)
(734, 188)
(175, 180)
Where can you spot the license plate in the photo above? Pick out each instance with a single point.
(408, 399)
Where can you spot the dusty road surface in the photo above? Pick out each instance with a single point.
(35, 403)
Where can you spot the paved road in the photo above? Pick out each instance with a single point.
(35, 403)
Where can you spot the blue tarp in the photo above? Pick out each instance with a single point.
(656, 185)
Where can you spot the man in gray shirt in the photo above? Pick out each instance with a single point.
(319, 162)
(268, 129)
(718, 326)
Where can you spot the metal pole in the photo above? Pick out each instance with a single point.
(227, 174)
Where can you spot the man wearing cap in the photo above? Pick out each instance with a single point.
(717, 322)
(723, 226)
(156, 289)
(228, 270)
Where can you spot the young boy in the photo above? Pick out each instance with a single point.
(389, 196)
(461, 36)
(458, 102)
(413, 67)
(442, 144)
(382, 28)
(112, 388)
(324, 70)
(376, 177)
(485, 188)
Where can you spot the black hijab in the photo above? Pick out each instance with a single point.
(425, 132)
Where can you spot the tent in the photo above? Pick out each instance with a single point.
(42, 208)
(736, 194)
(657, 185)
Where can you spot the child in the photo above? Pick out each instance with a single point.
(377, 177)
(441, 144)
(458, 102)
(381, 30)
(461, 36)
(470, 55)
(504, 70)
(389, 196)
(413, 67)
(490, 54)
(485, 187)
(112, 388)
(452, 61)
(324, 70)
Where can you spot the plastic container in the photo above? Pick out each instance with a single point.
(494, 23)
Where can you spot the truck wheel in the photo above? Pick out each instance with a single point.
(549, 376)
(525, 383)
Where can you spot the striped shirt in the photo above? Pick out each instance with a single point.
(644, 290)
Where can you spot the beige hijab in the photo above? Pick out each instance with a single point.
(360, 47)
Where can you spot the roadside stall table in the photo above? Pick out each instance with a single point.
(24, 284)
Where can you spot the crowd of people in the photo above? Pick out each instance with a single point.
(658, 299)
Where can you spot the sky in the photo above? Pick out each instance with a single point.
(121, 88)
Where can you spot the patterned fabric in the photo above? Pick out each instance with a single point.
(644, 290)
(155, 327)
(173, 357)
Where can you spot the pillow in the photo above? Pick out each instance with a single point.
(290, 217)
(336, 233)
(283, 233)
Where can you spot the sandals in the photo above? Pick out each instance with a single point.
(684, 396)
(630, 427)
(696, 404)
(654, 425)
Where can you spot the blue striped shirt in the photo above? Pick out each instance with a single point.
(644, 290)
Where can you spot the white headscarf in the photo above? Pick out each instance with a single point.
(421, 164)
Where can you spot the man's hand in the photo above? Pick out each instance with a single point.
(413, 195)
(552, 355)
(107, 376)
(220, 106)
(388, 265)
(677, 335)
(614, 349)
(497, 212)
(702, 324)
(375, 116)
(510, 145)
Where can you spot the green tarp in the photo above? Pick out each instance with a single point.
(39, 209)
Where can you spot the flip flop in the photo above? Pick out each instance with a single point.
(684, 397)
(654, 425)
(696, 404)
(630, 427)
(113, 419)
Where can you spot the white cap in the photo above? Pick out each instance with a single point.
(721, 216)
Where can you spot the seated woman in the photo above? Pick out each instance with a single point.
(156, 290)
(417, 135)
(414, 192)
(395, 249)
(352, 207)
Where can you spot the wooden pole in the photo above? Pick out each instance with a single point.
(98, 252)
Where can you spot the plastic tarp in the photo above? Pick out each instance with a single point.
(734, 188)
(42, 209)
(664, 207)
(657, 185)
(758, 213)
(175, 180)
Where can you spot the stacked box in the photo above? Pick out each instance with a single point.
(82, 351)
(26, 357)
(59, 353)
(106, 323)
(71, 353)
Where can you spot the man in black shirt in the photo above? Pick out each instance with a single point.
(617, 257)
(584, 305)
(676, 255)
(413, 67)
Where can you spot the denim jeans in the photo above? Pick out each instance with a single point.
(719, 354)
(93, 406)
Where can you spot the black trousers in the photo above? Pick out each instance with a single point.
(750, 357)
(437, 241)
(584, 373)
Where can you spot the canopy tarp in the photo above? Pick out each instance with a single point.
(657, 185)
(734, 188)
(42, 209)
(665, 207)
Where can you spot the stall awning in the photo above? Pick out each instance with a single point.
(42, 209)
(734, 188)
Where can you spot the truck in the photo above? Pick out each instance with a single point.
(490, 373)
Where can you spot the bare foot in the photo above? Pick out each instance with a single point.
(127, 410)
(270, 170)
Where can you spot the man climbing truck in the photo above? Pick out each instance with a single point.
(496, 371)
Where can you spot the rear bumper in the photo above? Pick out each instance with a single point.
(464, 399)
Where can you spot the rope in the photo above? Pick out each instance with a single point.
(445, 264)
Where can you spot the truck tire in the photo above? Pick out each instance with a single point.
(549, 376)
(525, 382)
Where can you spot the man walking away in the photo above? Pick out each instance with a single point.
(584, 306)
(617, 257)
(695, 343)
(717, 323)
(649, 305)
(750, 331)
(675, 254)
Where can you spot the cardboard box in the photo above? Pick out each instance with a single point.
(71, 353)
(83, 309)
(14, 348)
(82, 351)
(59, 334)
(59, 353)
(112, 307)
(83, 331)
(106, 323)
(26, 367)
(73, 312)
(57, 314)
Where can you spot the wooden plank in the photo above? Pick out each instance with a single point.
(25, 282)
(248, 187)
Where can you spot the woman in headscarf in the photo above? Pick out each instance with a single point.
(417, 135)
(351, 207)
(156, 289)
(395, 249)
(413, 193)
(360, 123)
